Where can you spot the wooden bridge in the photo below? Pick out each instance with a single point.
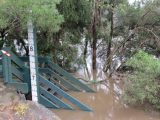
(53, 81)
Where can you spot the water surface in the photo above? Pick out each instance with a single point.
(106, 102)
(106, 105)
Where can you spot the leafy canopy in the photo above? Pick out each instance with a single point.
(44, 13)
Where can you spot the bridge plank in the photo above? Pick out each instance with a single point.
(64, 94)
(22, 87)
(62, 80)
(44, 101)
(55, 99)
(69, 77)
(17, 73)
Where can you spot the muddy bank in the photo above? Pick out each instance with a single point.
(13, 106)
(26, 110)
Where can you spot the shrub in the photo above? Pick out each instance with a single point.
(143, 85)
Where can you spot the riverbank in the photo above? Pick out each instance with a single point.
(13, 106)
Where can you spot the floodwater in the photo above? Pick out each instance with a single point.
(106, 102)
(106, 105)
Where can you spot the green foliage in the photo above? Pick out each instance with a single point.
(66, 54)
(43, 13)
(15, 15)
(46, 15)
(3, 22)
(56, 21)
(77, 17)
(143, 62)
(76, 12)
(129, 14)
(143, 85)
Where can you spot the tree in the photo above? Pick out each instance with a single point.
(95, 23)
(15, 15)
(76, 19)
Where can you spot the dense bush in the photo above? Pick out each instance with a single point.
(143, 85)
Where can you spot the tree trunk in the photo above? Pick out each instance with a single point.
(56, 38)
(109, 56)
(94, 34)
(85, 49)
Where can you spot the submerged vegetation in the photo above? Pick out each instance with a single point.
(143, 84)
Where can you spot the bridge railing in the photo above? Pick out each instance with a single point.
(53, 81)
(14, 72)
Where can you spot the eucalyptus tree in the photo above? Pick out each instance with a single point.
(15, 14)
(103, 25)
(137, 25)
(77, 18)
(141, 23)
(95, 25)
(146, 37)
(59, 24)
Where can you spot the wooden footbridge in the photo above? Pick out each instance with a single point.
(53, 81)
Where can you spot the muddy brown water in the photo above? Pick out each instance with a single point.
(106, 102)
(106, 105)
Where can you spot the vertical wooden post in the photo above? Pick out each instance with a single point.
(5, 68)
(9, 69)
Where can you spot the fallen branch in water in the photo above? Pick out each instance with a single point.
(91, 81)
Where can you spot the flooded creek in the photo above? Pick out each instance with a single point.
(106, 105)
(106, 102)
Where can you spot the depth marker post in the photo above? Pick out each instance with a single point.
(33, 61)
